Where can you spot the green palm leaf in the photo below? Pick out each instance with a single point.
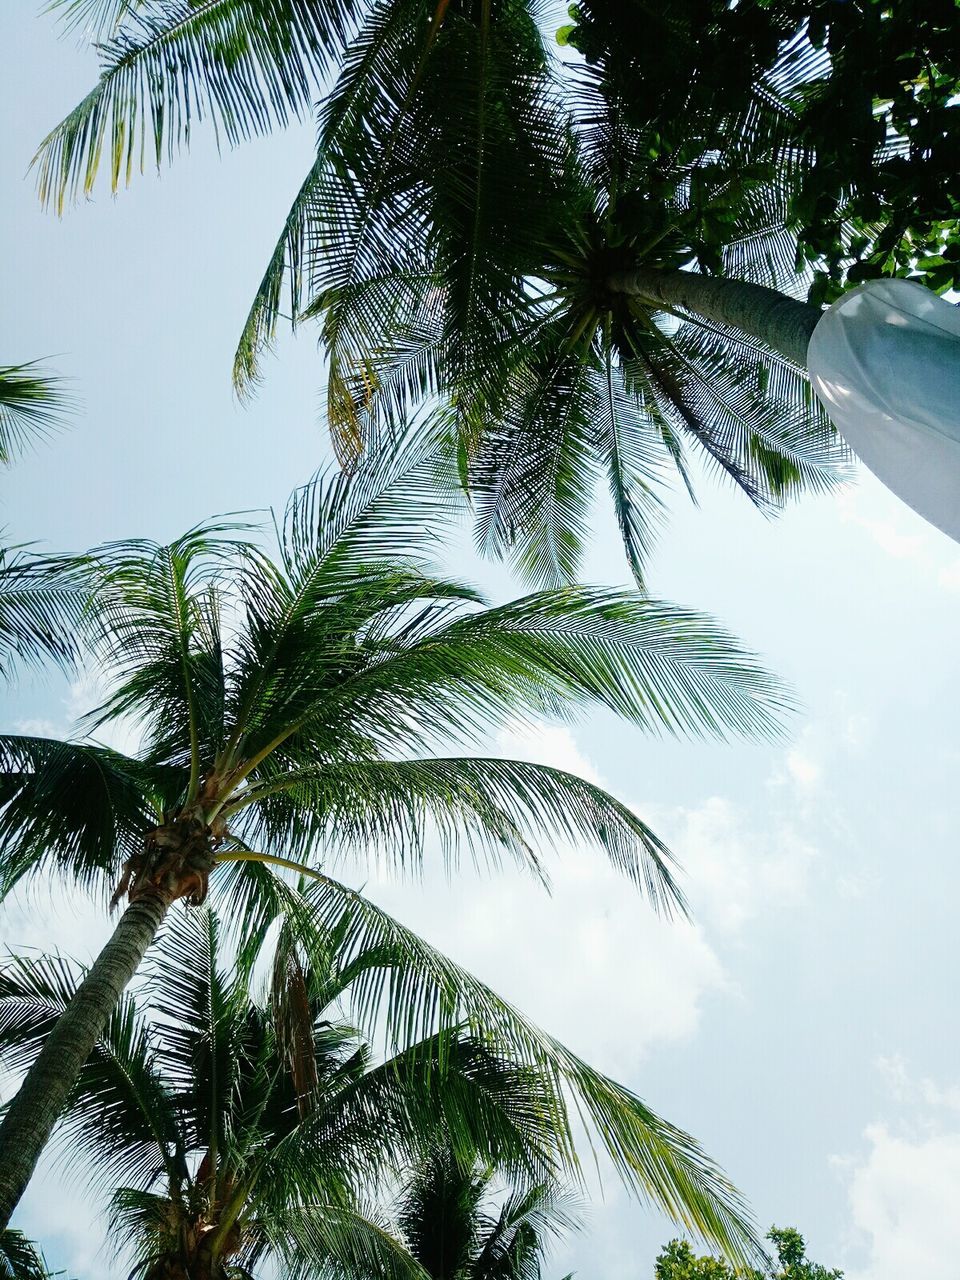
(71, 807)
(20, 1259)
(42, 602)
(401, 983)
(120, 1110)
(316, 1237)
(395, 809)
(246, 65)
(32, 404)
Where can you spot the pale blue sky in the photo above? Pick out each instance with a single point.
(805, 1031)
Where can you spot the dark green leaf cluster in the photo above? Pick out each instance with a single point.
(20, 1259)
(41, 607)
(677, 1261)
(456, 1230)
(32, 403)
(41, 597)
(869, 115)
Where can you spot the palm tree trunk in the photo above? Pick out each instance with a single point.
(31, 1115)
(776, 319)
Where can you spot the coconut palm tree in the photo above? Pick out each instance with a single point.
(477, 227)
(452, 1224)
(290, 712)
(234, 1131)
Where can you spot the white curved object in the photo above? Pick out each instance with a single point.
(884, 361)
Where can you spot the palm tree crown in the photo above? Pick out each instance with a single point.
(290, 710)
(467, 230)
(287, 707)
(233, 1131)
(456, 1229)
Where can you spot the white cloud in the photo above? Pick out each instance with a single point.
(804, 771)
(41, 916)
(903, 1198)
(84, 694)
(900, 533)
(591, 962)
(735, 871)
(922, 1091)
(903, 1192)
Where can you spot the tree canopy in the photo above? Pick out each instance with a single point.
(870, 126)
(677, 1261)
(291, 711)
(462, 234)
(235, 1130)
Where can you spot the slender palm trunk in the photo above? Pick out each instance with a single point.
(31, 1115)
(776, 319)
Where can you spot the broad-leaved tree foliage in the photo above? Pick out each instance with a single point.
(292, 712)
(677, 1261)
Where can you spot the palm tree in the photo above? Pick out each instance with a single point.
(289, 714)
(234, 1132)
(455, 1230)
(471, 229)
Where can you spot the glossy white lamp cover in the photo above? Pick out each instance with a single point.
(885, 362)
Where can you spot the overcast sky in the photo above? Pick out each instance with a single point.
(805, 1028)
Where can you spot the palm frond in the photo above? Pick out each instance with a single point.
(320, 1238)
(393, 809)
(42, 606)
(96, 18)
(157, 629)
(766, 425)
(245, 65)
(664, 668)
(195, 1049)
(119, 1109)
(440, 1213)
(76, 808)
(286, 263)
(391, 507)
(452, 1087)
(400, 983)
(32, 404)
(20, 1259)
